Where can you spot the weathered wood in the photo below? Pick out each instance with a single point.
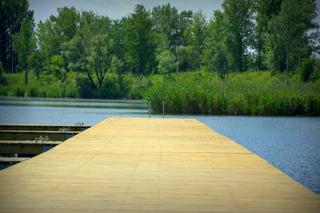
(151, 165)
(43, 127)
(31, 142)
(12, 160)
(33, 147)
(36, 135)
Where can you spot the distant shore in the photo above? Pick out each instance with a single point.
(194, 92)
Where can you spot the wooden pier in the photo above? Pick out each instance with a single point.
(20, 142)
(151, 165)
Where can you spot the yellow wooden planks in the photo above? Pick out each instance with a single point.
(150, 165)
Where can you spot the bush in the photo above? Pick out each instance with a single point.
(251, 93)
(306, 69)
(85, 89)
(3, 80)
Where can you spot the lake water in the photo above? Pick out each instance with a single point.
(290, 143)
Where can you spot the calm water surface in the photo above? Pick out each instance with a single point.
(290, 143)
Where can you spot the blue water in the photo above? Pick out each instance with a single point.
(290, 143)
(71, 102)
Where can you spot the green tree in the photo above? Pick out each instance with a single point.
(216, 57)
(58, 30)
(117, 66)
(24, 43)
(99, 58)
(12, 13)
(49, 39)
(166, 62)
(220, 61)
(67, 22)
(140, 42)
(75, 53)
(264, 10)
(91, 43)
(187, 57)
(171, 29)
(288, 40)
(182, 50)
(239, 28)
(197, 32)
(117, 32)
(166, 24)
(3, 80)
(36, 63)
(56, 67)
(307, 68)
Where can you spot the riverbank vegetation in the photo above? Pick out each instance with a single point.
(194, 92)
(195, 64)
(74, 86)
(250, 93)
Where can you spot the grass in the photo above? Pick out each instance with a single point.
(46, 86)
(249, 93)
(201, 92)
(75, 86)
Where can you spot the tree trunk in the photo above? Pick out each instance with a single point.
(26, 83)
(120, 83)
(100, 76)
(240, 63)
(93, 85)
(287, 58)
(26, 77)
(100, 90)
(11, 59)
(259, 59)
(100, 84)
(240, 56)
(177, 57)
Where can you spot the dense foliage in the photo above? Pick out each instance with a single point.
(82, 54)
(250, 93)
(201, 92)
(12, 14)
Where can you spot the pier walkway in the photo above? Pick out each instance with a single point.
(151, 165)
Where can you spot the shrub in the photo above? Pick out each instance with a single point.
(251, 93)
(306, 69)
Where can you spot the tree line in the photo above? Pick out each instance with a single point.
(278, 35)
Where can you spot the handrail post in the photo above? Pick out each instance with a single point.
(163, 109)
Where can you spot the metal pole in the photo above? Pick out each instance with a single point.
(163, 109)
(149, 109)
